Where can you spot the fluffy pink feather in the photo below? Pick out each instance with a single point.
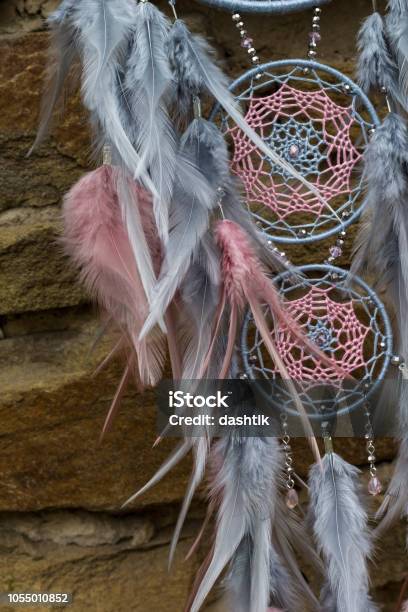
(245, 283)
(95, 238)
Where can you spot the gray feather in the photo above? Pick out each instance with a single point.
(148, 83)
(328, 602)
(291, 540)
(194, 196)
(382, 244)
(395, 504)
(340, 528)
(104, 28)
(382, 250)
(376, 67)
(200, 296)
(245, 479)
(196, 72)
(397, 32)
(61, 55)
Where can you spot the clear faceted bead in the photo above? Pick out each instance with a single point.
(374, 486)
(292, 499)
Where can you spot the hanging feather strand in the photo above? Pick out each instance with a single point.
(340, 527)
(148, 85)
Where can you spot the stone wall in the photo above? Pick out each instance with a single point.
(61, 491)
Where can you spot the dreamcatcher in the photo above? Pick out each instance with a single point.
(324, 124)
(175, 258)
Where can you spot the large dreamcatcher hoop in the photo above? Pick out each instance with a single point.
(319, 120)
(277, 7)
(349, 323)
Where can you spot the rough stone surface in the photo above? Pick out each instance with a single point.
(106, 562)
(61, 526)
(53, 410)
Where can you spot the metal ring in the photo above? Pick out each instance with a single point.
(274, 7)
(352, 203)
(362, 292)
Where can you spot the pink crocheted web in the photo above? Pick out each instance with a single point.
(309, 130)
(333, 327)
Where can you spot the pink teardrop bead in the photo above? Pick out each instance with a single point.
(374, 486)
(292, 499)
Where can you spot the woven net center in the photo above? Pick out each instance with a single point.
(309, 130)
(334, 327)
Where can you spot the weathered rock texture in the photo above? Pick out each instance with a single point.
(60, 522)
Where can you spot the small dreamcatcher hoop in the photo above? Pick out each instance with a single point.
(317, 119)
(277, 7)
(348, 322)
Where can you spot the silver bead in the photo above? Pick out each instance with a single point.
(258, 76)
(306, 70)
(317, 10)
(239, 25)
(342, 233)
(371, 131)
(302, 232)
(255, 59)
(312, 45)
(330, 259)
(396, 360)
(339, 243)
(346, 88)
(383, 90)
(382, 344)
(371, 458)
(316, 19)
(242, 33)
(283, 254)
(311, 53)
(251, 51)
(236, 17)
(315, 27)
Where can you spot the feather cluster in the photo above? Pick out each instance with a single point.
(382, 243)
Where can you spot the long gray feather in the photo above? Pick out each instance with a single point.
(196, 72)
(395, 504)
(291, 540)
(328, 601)
(104, 28)
(245, 479)
(376, 67)
(382, 251)
(340, 528)
(148, 84)
(397, 32)
(382, 244)
(194, 196)
(62, 53)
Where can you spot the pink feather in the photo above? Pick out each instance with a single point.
(245, 283)
(95, 238)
